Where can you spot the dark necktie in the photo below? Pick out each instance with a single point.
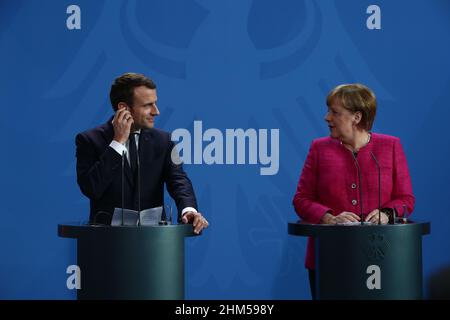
(133, 152)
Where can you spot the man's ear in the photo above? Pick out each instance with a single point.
(122, 105)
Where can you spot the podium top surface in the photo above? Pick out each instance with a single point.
(78, 229)
(301, 228)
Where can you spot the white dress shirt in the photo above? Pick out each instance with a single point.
(120, 148)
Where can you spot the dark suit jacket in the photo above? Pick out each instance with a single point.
(99, 173)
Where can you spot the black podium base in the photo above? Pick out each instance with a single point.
(367, 261)
(129, 262)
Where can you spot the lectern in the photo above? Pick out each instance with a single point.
(129, 262)
(366, 261)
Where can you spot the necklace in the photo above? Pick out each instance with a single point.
(357, 149)
(368, 138)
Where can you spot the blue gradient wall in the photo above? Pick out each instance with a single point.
(230, 64)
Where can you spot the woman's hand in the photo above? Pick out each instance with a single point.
(373, 217)
(343, 217)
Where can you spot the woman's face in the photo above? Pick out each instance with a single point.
(342, 123)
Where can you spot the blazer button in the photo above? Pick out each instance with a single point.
(353, 185)
(354, 202)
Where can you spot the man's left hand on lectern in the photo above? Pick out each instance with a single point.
(198, 221)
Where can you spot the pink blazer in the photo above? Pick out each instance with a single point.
(329, 181)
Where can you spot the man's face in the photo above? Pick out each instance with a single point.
(144, 109)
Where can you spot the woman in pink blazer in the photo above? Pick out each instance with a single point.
(328, 190)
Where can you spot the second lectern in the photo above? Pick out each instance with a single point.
(366, 261)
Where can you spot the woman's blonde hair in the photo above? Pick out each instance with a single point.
(356, 97)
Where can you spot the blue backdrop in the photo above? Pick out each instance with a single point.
(230, 64)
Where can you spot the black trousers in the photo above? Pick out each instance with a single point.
(312, 282)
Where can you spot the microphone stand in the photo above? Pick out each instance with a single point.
(379, 186)
(138, 184)
(360, 189)
(123, 184)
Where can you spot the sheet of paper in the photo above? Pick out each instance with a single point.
(149, 217)
(353, 223)
(152, 216)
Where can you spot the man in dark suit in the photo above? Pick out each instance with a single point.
(130, 134)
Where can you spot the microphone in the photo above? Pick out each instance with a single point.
(164, 220)
(405, 214)
(123, 184)
(379, 186)
(360, 189)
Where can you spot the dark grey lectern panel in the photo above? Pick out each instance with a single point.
(367, 261)
(126, 262)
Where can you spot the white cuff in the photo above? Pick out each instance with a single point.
(120, 148)
(187, 209)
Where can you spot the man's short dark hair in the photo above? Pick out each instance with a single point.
(122, 89)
